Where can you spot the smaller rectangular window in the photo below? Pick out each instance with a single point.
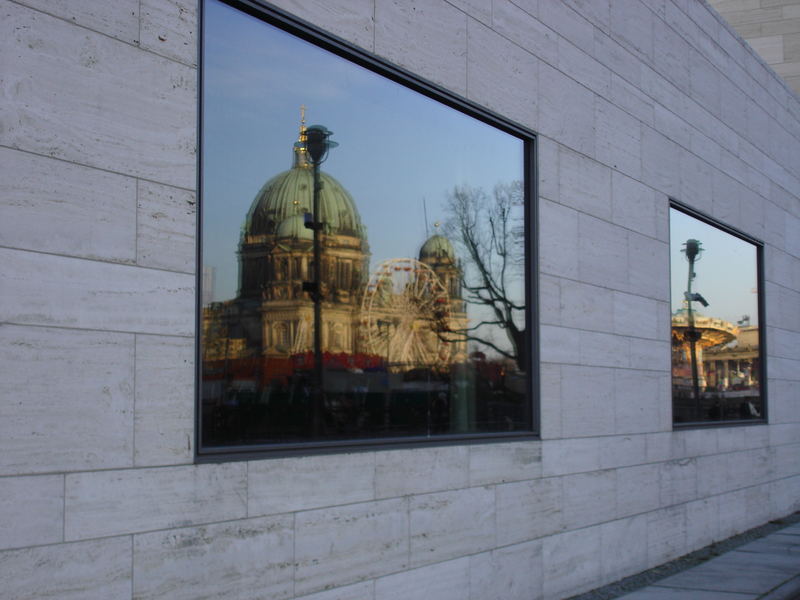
(717, 341)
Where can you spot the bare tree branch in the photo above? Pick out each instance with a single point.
(489, 230)
(484, 341)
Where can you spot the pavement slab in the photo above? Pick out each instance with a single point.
(751, 571)
(731, 574)
(760, 564)
(775, 544)
(655, 592)
(791, 530)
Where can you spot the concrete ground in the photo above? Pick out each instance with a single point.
(761, 564)
(768, 568)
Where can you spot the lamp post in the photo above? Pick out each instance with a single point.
(387, 403)
(317, 144)
(692, 248)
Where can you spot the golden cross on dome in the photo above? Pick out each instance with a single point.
(300, 156)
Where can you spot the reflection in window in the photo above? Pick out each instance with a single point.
(716, 360)
(416, 220)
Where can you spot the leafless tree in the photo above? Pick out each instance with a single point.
(488, 231)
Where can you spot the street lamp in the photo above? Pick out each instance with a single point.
(317, 144)
(693, 249)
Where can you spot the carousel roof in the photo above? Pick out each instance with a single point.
(713, 331)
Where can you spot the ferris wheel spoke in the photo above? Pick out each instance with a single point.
(403, 298)
(400, 341)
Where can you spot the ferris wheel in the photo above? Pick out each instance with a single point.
(404, 304)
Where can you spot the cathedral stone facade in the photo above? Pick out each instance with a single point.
(272, 316)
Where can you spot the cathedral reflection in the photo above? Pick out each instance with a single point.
(388, 367)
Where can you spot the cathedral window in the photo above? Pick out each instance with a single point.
(422, 223)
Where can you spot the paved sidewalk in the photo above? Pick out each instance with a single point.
(765, 569)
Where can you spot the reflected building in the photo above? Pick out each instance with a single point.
(735, 366)
(276, 257)
(273, 317)
(727, 368)
(390, 320)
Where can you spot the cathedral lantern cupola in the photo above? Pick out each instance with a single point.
(438, 253)
(275, 224)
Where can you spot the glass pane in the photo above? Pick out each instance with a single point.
(420, 240)
(716, 360)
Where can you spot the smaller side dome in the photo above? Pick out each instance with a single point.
(294, 228)
(437, 247)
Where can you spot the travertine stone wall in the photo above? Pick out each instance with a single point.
(772, 28)
(635, 101)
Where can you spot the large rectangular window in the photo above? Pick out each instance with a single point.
(717, 339)
(359, 285)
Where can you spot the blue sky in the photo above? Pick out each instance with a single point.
(396, 148)
(726, 271)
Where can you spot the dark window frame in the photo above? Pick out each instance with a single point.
(310, 33)
(762, 367)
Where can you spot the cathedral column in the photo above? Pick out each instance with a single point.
(725, 379)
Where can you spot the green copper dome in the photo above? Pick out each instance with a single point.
(290, 193)
(294, 228)
(437, 246)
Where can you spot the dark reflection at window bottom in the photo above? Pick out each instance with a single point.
(732, 405)
(727, 389)
(373, 402)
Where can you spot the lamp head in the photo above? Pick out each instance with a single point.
(317, 143)
(692, 248)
